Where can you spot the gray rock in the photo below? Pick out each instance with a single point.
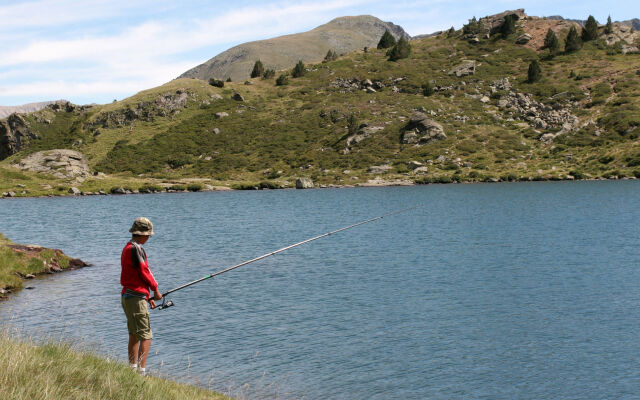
(503, 103)
(119, 191)
(422, 130)
(379, 169)
(485, 99)
(367, 82)
(11, 194)
(29, 276)
(412, 165)
(420, 170)
(74, 191)
(304, 183)
(468, 67)
(221, 114)
(523, 39)
(237, 97)
(215, 96)
(369, 89)
(60, 163)
(216, 131)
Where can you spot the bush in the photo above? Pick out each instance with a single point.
(245, 186)
(229, 79)
(258, 69)
(331, 56)
(605, 159)
(535, 73)
(178, 188)
(402, 49)
(298, 70)
(269, 185)
(551, 42)
(471, 28)
(282, 80)
(427, 89)
(268, 74)
(216, 82)
(148, 188)
(387, 40)
(194, 187)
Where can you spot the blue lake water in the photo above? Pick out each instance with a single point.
(492, 291)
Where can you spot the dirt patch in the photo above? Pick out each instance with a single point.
(538, 27)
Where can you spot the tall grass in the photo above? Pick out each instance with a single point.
(56, 371)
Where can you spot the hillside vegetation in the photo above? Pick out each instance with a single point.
(346, 121)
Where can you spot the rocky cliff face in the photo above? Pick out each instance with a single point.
(343, 35)
(5, 111)
(14, 135)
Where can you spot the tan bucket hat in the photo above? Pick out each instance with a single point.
(142, 226)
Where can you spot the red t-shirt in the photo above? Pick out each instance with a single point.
(136, 274)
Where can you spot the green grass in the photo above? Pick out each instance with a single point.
(57, 371)
(15, 264)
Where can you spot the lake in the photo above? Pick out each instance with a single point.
(487, 291)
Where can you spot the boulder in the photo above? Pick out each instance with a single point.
(364, 132)
(412, 165)
(61, 163)
(467, 67)
(221, 114)
(237, 97)
(74, 191)
(304, 183)
(422, 130)
(379, 169)
(523, 39)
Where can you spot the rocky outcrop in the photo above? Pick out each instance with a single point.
(353, 84)
(15, 135)
(422, 130)
(59, 163)
(342, 35)
(164, 105)
(492, 23)
(467, 67)
(304, 183)
(364, 131)
(625, 35)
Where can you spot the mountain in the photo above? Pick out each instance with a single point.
(459, 108)
(342, 35)
(5, 111)
(634, 23)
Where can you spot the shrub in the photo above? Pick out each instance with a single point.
(427, 89)
(471, 28)
(352, 124)
(331, 56)
(269, 185)
(245, 186)
(402, 49)
(229, 79)
(194, 187)
(148, 188)
(268, 74)
(573, 42)
(216, 82)
(178, 188)
(298, 70)
(590, 30)
(451, 32)
(605, 159)
(258, 69)
(387, 40)
(535, 73)
(636, 173)
(577, 174)
(282, 80)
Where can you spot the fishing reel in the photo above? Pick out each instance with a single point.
(165, 304)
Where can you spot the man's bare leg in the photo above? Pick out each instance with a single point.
(143, 352)
(133, 349)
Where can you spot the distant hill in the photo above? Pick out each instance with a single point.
(343, 35)
(634, 23)
(5, 111)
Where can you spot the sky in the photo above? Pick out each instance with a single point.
(97, 51)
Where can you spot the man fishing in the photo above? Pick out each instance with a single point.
(136, 280)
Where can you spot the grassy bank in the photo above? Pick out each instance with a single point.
(58, 371)
(18, 262)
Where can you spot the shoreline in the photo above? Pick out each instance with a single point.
(444, 180)
(22, 263)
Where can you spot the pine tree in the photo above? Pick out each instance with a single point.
(535, 73)
(387, 40)
(331, 55)
(451, 32)
(508, 26)
(402, 49)
(268, 74)
(258, 69)
(608, 29)
(551, 42)
(573, 42)
(472, 27)
(298, 70)
(590, 30)
(282, 80)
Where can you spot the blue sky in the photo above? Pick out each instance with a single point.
(101, 50)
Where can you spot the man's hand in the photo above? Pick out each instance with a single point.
(152, 304)
(157, 295)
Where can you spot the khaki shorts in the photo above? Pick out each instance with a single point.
(135, 309)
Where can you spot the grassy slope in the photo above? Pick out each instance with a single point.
(300, 129)
(55, 371)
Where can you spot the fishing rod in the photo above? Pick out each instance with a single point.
(167, 304)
